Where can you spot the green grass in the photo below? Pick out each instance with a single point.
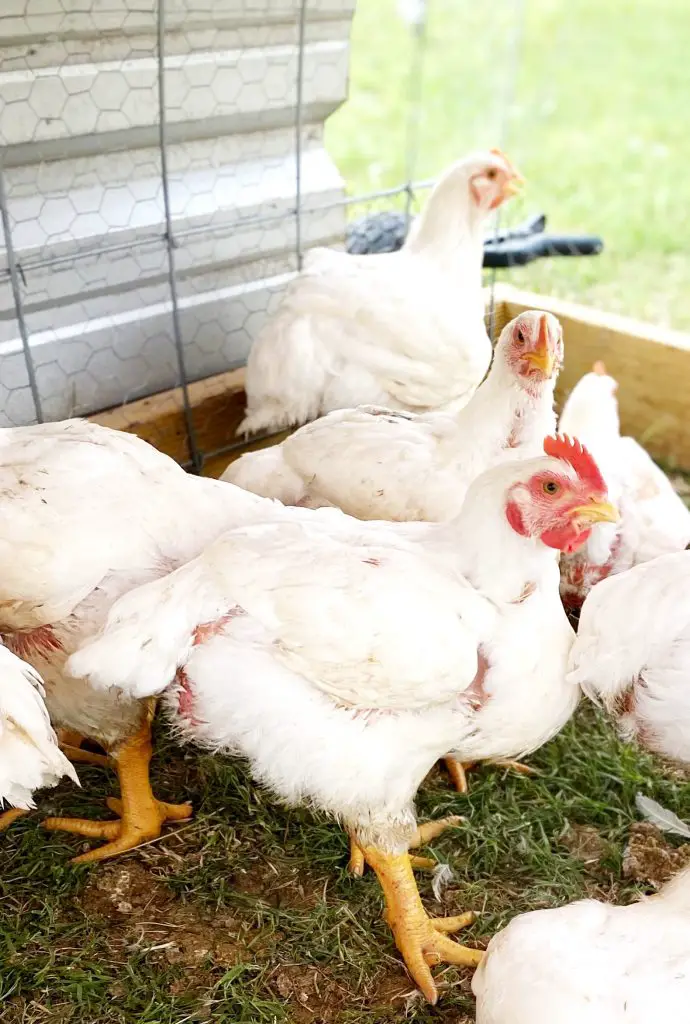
(246, 914)
(597, 125)
(247, 911)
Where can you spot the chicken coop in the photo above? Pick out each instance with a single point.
(163, 170)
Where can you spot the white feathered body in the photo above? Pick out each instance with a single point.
(394, 329)
(591, 963)
(314, 652)
(376, 463)
(654, 519)
(87, 513)
(29, 754)
(632, 652)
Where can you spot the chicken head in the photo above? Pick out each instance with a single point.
(560, 505)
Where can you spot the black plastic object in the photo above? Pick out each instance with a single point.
(386, 231)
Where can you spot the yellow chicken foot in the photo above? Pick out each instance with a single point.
(71, 746)
(456, 770)
(141, 815)
(10, 816)
(421, 939)
(424, 834)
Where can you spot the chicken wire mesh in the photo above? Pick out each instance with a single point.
(162, 172)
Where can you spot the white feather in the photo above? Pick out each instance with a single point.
(664, 819)
(29, 755)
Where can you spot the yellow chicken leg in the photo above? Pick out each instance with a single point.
(421, 939)
(424, 834)
(71, 746)
(10, 816)
(141, 815)
(457, 770)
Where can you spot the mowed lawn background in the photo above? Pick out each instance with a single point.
(246, 914)
(597, 122)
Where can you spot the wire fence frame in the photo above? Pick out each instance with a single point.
(16, 271)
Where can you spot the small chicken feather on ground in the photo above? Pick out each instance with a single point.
(29, 754)
(654, 519)
(404, 330)
(343, 662)
(632, 653)
(591, 963)
(87, 513)
(379, 464)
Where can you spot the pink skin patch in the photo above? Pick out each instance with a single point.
(203, 632)
(475, 695)
(33, 643)
(185, 698)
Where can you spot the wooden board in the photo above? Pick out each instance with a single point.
(651, 364)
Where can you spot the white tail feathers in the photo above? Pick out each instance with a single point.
(29, 754)
(149, 633)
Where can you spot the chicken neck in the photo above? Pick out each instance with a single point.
(449, 231)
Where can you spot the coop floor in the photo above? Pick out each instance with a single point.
(246, 913)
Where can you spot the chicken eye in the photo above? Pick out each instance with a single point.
(491, 173)
(520, 337)
(550, 487)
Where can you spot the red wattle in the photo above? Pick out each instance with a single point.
(564, 538)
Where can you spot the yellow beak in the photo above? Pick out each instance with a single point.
(512, 187)
(596, 512)
(542, 359)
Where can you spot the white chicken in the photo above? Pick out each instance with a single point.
(343, 662)
(654, 520)
(29, 754)
(591, 963)
(404, 330)
(633, 653)
(87, 513)
(379, 464)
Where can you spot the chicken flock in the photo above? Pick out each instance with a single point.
(388, 587)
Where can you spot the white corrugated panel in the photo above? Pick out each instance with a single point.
(82, 167)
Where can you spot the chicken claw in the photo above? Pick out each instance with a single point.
(141, 815)
(421, 939)
(424, 834)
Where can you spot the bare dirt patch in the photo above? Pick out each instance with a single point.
(649, 857)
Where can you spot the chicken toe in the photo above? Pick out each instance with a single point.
(422, 940)
(456, 770)
(141, 815)
(424, 834)
(10, 816)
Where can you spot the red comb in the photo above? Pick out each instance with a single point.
(576, 455)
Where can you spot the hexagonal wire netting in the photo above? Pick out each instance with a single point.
(162, 170)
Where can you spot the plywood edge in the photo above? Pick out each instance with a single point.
(650, 363)
(216, 404)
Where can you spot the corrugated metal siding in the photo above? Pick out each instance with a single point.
(82, 165)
